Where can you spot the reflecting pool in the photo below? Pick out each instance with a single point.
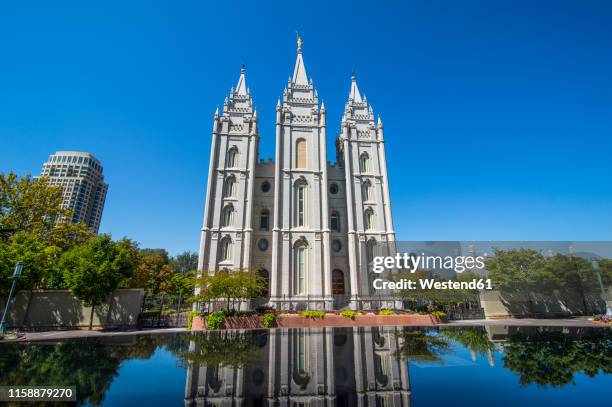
(377, 366)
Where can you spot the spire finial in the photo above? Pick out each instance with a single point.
(353, 77)
(243, 69)
(299, 41)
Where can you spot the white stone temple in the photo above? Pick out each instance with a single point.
(308, 226)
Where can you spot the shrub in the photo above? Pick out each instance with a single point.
(313, 314)
(269, 320)
(169, 311)
(386, 312)
(348, 313)
(192, 314)
(439, 314)
(215, 320)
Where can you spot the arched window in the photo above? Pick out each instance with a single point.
(264, 220)
(232, 157)
(300, 270)
(300, 153)
(370, 245)
(338, 282)
(364, 162)
(230, 187)
(228, 215)
(226, 249)
(368, 191)
(334, 221)
(369, 219)
(300, 203)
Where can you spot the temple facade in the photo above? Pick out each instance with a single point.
(308, 226)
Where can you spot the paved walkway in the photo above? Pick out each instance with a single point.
(572, 322)
(62, 335)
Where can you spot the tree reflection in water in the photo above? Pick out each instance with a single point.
(553, 358)
(90, 364)
(342, 364)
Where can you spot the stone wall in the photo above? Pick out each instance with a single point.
(499, 304)
(60, 309)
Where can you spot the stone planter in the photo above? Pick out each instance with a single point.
(330, 320)
(333, 320)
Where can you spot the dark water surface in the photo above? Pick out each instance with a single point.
(390, 366)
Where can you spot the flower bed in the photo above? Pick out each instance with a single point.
(295, 320)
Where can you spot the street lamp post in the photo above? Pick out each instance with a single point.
(16, 275)
(604, 297)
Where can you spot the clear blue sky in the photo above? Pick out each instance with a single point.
(498, 115)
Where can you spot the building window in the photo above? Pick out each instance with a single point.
(336, 246)
(300, 153)
(333, 189)
(226, 249)
(300, 204)
(338, 282)
(264, 220)
(230, 187)
(369, 219)
(265, 186)
(370, 245)
(300, 270)
(232, 157)
(364, 162)
(262, 244)
(228, 215)
(334, 221)
(368, 191)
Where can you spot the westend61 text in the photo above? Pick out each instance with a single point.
(431, 284)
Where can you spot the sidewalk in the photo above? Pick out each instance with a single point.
(569, 322)
(80, 334)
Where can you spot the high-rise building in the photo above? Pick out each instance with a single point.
(82, 181)
(308, 226)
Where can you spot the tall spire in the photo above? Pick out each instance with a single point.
(299, 73)
(355, 95)
(241, 87)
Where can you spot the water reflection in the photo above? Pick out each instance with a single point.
(344, 367)
(315, 367)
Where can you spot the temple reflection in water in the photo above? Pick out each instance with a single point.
(357, 366)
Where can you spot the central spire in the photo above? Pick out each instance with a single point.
(355, 95)
(299, 73)
(241, 87)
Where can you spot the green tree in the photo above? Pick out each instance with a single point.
(520, 269)
(234, 285)
(96, 268)
(29, 231)
(185, 262)
(152, 272)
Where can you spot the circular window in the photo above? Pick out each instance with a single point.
(265, 186)
(336, 245)
(333, 189)
(262, 245)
